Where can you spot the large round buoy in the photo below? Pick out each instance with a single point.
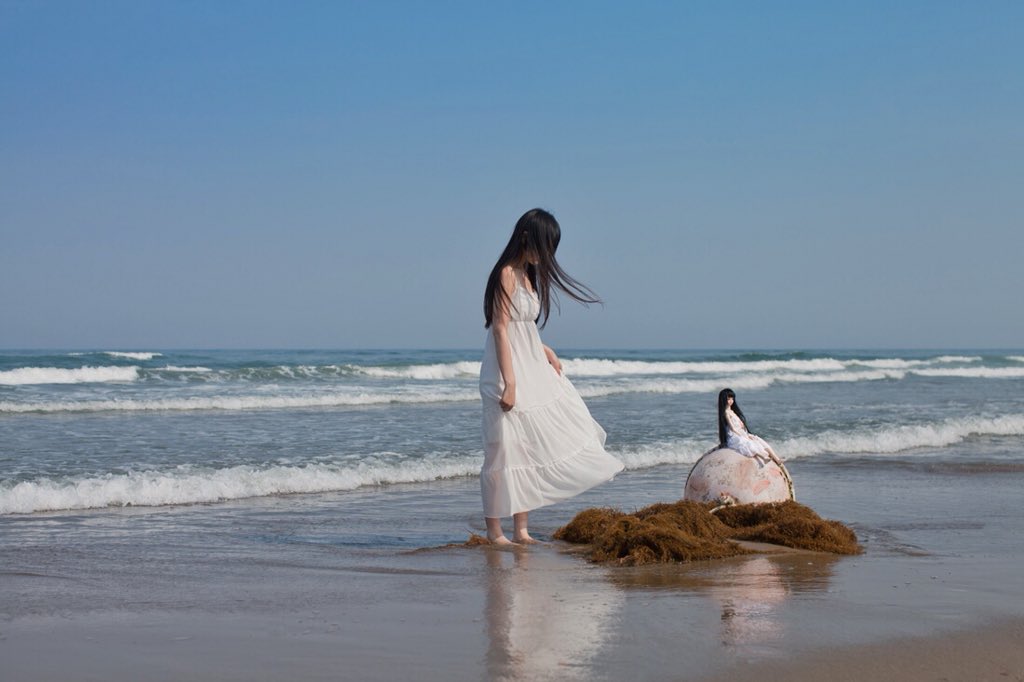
(725, 475)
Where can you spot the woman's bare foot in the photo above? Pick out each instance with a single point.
(524, 539)
(495, 535)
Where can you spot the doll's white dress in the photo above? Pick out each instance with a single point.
(739, 439)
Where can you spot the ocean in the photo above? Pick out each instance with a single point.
(145, 428)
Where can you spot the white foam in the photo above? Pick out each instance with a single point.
(132, 355)
(973, 372)
(895, 439)
(450, 370)
(174, 368)
(58, 375)
(958, 358)
(753, 382)
(244, 402)
(1015, 358)
(673, 386)
(191, 485)
(888, 363)
(645, 456)
(585, 367)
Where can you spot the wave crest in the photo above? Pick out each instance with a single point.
(24, 376)
(244, 402)
(189, 485)
(451, 370)
(140, 355)
(890, 440)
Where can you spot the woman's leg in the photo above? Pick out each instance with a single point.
(521, 534)
(494, 532)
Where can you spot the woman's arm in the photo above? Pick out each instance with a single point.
(499, 327)
(553, 359)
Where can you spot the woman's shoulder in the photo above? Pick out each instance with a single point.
(509, 278)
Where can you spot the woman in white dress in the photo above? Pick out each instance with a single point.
(733, 433)
(540, 443)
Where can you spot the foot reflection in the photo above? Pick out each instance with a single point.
(544, 620)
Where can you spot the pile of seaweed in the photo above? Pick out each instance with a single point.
(688, 531)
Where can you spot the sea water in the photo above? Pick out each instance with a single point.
(84, 429)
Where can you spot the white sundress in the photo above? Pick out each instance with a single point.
(547, 448)
(739, 439)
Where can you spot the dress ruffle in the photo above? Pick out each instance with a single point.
(542, 455)
(747, 445)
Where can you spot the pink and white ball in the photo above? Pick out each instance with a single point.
(724, 475)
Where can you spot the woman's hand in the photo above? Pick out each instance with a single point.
(508, 397)
(553, 360)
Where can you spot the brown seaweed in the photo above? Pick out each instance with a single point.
(687, 531)
(631, 542)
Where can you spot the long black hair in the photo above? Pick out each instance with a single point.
(723, 405)
(536, 234)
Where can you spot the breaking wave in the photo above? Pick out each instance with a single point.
(881, 441)
(246, 402)
(191, 485)
(741, 382)
(974, 372)
(56, 375)
(893, 439)
(194, 485)
(451, 370)
(132, 355)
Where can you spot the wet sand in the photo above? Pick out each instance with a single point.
(307, 587)
(534, 614)
(992, 653)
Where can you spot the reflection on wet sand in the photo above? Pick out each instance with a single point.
(750, 590)
(544, 620)
(750, 594)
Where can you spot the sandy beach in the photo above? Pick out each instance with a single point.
(534, 614)
(278, 588)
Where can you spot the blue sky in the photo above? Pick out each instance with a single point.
(343, 175)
